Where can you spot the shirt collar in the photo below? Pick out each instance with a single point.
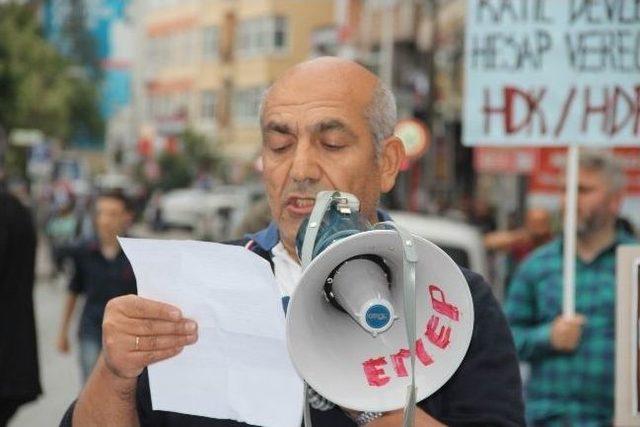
(621, 238)
(268, 237)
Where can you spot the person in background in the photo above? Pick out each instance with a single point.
(62, 230)
(101, 273)
(482, 215)
(19, 372)
(520, 242)
(572, 356)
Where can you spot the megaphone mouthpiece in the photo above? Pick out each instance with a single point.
(360, 286)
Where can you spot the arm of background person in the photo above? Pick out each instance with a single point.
(532, 339)
(505, 239)
(486, 389)
(63, 335)
(76, 287)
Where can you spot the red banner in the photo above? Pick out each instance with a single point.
(549, 175)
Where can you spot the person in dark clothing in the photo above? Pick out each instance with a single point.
(326, 124)
(101, 272)
(19, 373)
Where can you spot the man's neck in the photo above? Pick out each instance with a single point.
(589, 247)
(109, 248)
(291, 250)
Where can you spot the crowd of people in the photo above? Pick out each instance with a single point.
(328, 124)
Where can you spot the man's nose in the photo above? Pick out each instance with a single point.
(305, 165)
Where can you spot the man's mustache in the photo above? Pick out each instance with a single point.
(303, 188)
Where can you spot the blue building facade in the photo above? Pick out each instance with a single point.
(108, 23)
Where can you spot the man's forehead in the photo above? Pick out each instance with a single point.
(325, 79)
(308, 94)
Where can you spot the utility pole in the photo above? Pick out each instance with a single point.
(387, 42)
(433, 8)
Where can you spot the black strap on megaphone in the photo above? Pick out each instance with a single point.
(410, 258)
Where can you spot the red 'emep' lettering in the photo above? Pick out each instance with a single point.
(398, 362)
(422, 354)
(442, 338)
(375, 375)
(399, 358)
(441, 305)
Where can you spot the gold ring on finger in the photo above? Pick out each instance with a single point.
(137, 342)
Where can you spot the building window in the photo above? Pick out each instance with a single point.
(207, 105)
(210, 41)
(280, 34)
(325, 42)
(262, 36)
(246, 105)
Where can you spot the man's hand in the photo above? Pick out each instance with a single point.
(566, 332)
(137, 332)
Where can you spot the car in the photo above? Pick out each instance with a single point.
(461, 241)
(210, 214)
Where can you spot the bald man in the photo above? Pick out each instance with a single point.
(327, 124)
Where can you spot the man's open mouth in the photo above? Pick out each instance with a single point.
(300, 205)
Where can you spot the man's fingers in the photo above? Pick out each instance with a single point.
(164, 342)
(146, 358)
(142, 308)
(579, 319)
(576, 319)
(148, 327)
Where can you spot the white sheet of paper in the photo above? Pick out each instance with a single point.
(240, 368)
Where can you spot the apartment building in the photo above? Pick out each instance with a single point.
(204, 64)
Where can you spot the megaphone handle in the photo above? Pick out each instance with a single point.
(410, 260)
(410, 320)
(306, 411)
(323, 200)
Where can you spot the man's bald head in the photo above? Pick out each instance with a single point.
(361, 86)
(327, 124)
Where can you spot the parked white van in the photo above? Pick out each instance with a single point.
(462, 242)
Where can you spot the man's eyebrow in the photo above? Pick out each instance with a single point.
(332, 124)
(279, 128)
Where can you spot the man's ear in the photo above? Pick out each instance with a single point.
(391, 158)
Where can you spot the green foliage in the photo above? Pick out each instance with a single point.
(178, 170)
(175, 170)
(199, 151)
(38, 88)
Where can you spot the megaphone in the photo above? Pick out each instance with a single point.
(364, 291)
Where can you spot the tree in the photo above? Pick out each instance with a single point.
(179, 169)
(38, 88)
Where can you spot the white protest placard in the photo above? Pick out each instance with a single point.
(552, 72)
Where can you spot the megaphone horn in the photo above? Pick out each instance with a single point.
(351, 346)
